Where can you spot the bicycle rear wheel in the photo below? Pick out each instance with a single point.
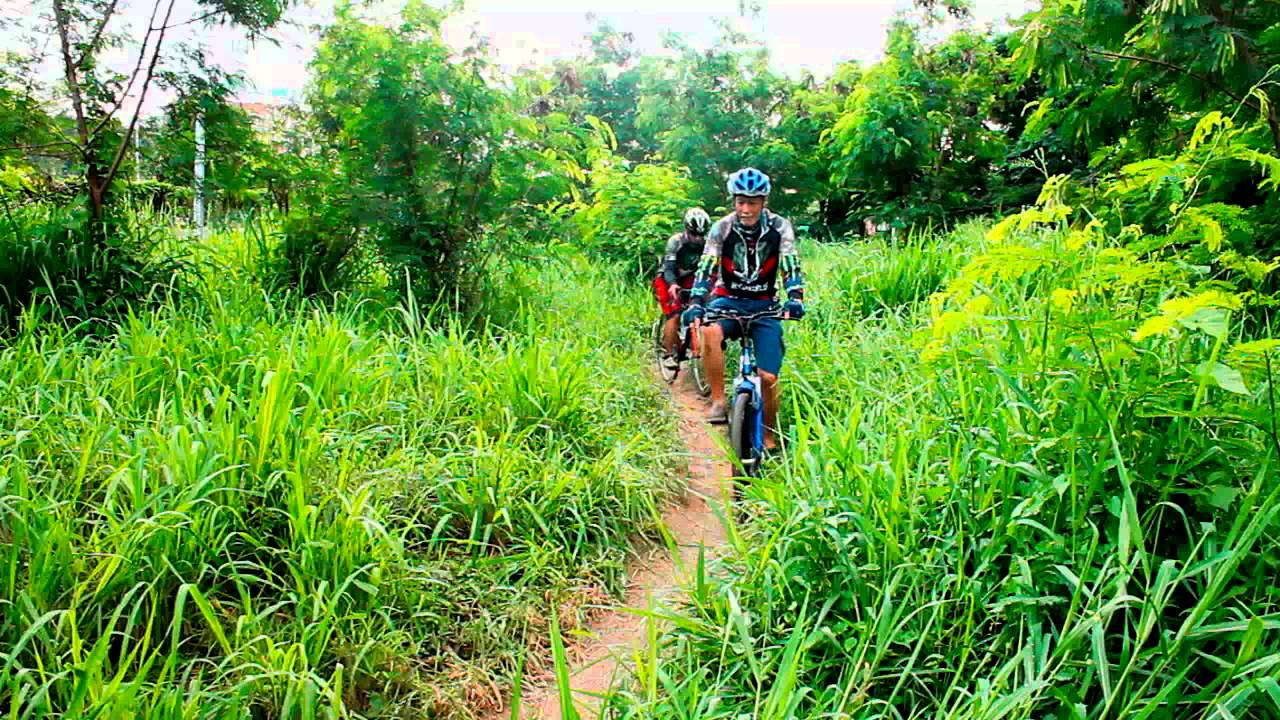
(741, 432)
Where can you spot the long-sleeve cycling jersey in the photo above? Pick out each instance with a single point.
(680, 258)
(744, 262)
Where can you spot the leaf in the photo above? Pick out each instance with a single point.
(1001, 230)
(1206, 126)
(1273, 690)
(1270, 166)
(1252, 636)
(1212, 230)
(1063, 299)
(1211, 321)
(1225, 377)
(1221, 496)
(1036, 126)
(1205, 311)
(1256, 347)
(1158, 325)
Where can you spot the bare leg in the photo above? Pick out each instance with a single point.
(713, 360)
(671, 333)
(770, 390)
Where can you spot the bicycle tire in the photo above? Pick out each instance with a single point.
(659, 350)
(741, 420)
(701, 384)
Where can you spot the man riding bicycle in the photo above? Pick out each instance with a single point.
(740, 265)
(679, 263)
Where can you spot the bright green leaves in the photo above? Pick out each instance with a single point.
(1270, 165)
(1210, 228)
(1222, 376)
(968, 302)
(634, 210)
(1208, 312)
(1208, 124)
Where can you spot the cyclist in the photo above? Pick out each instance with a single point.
(679, 263)
(744, 253)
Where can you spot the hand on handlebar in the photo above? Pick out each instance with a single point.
(693, 315)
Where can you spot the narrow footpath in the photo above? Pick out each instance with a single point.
(616, 633)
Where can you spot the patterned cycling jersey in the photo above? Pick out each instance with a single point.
(743, 262)
(680, 258)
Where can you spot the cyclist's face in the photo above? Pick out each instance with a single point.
(748, 209)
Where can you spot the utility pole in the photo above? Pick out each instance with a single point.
(199, 172)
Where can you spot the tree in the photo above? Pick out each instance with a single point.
(104, 129)
(238, 158)
(713, 111)
(916, 139)
(428, 155)
(634, 209)
(608, 83)
(1131, 69)
(795, 147)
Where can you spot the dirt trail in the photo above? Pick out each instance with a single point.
(616, 633)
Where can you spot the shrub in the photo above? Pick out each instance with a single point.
(315, 254)
(633, 212)
(50, 265)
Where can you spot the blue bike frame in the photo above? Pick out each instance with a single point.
(749, 382)
(748, 378)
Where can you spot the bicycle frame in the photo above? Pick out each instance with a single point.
(749, 382)
(748, 377)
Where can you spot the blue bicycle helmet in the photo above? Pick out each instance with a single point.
(750, 182)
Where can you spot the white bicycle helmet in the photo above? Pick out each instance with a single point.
(697, 221)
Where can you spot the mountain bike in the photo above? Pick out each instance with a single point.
(746, 414)
(687, 351)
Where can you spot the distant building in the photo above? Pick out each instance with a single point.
(264, 116)
(272, 121)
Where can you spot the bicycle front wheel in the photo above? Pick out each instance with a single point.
(696, 371)
(660, 351)
(741, 434)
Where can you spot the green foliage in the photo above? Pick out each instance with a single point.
(913, 142)
(1032, 471)
(430, 154)
(419, 132)
(891, 277)
(253, 505)
(52, 270)
(238, 155)
(711, 111)
(634, 209)
(1051, 491)
(608, 82)
(315, 255)
(1121, 75)
(795, 149)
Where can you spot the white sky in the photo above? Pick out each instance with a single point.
(800, 34)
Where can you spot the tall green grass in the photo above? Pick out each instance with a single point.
(248, 506)
(1049, 519)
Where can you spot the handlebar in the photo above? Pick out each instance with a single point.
(712, 315)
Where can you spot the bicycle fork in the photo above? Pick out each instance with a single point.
(750, 383)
